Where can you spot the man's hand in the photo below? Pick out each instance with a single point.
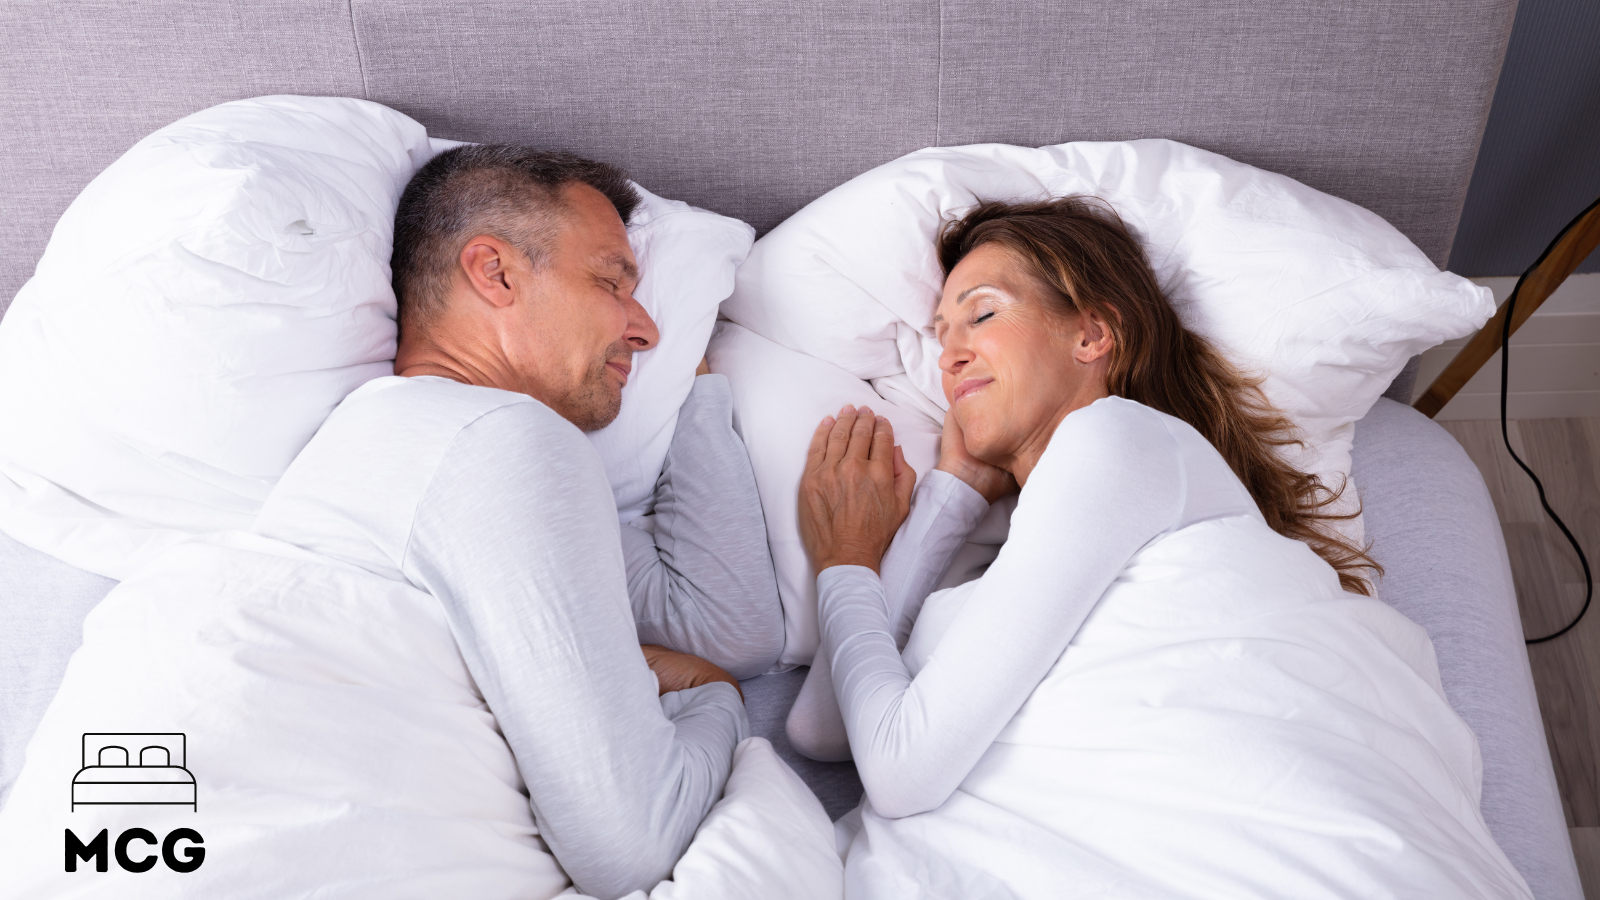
(680, 671)
(990, 481)
(855, 492)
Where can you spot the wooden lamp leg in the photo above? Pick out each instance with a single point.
(1538, 284)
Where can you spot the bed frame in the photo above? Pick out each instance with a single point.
(754, 109)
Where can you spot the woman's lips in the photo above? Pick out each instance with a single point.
(968, 386)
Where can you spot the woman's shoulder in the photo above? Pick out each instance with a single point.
(1118, 421)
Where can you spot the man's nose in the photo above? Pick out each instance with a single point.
(642, 333)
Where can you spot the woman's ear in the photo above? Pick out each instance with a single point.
(1094, 341)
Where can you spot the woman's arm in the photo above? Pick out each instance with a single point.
(944, 510)
(703, 583)
(1108, 483)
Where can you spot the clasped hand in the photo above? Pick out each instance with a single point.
(855, 491)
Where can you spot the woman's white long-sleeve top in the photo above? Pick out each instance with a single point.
(1115, 476)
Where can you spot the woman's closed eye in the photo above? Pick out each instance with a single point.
(986, 316)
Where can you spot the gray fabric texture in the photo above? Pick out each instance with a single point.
(750, 110)
(80, 83)
(1380, 103)
(1434, 530)
(767, 700)
(754, 111)
(42, 605)
(701, 578)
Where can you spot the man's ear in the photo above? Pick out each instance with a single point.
(1095, 340)
(485, 262)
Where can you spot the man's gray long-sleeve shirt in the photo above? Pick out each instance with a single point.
(499, 508)
(703, 581)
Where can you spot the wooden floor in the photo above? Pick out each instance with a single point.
(1566, 671)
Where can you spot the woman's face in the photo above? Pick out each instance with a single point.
(1013, 365)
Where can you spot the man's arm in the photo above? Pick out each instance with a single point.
(518, 538)
(703, 583)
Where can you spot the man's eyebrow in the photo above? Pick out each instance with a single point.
(961, 298)
(621, 262)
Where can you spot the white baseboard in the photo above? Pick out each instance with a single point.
(1555, 359)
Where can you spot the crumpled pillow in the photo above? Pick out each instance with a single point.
(1323, 298)
(210, 297)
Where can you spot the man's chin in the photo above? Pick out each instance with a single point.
(595, 416)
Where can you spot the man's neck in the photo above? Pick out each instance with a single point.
(414, 359)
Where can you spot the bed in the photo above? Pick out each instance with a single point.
(134, 769)
(728, 106)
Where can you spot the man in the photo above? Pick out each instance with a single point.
(701, 579)
(331, 719)
(517, 323)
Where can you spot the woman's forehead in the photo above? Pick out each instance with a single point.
(990, 266)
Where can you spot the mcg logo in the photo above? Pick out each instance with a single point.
(153, 774)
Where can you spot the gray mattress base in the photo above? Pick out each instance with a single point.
(1428, 515)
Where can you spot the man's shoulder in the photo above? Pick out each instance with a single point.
(429, 401)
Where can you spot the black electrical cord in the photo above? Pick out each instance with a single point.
(1505, 435)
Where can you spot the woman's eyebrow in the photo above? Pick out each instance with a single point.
(961, 298)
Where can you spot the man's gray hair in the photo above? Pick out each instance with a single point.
(505, 190)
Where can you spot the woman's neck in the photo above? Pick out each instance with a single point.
(1031, 449)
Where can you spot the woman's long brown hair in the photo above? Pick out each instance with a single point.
(1080, 248)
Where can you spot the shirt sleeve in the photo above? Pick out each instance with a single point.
(703, 583)
(517, 537)
(1110, 480)
(944, 510)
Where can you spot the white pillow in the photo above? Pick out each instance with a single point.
(1322, 297)
(687, 258)
(215, 292)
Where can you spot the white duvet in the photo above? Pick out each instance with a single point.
(339, 748)
(1208, 734)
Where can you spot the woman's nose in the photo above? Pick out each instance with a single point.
(952, 357)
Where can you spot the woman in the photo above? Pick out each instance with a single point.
(1231, 718)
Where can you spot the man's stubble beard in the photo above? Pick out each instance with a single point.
(597, 401)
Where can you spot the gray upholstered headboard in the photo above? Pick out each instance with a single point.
(754, 109)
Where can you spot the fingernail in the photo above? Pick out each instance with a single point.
(827, 420)
(866, 410)
(846, 410)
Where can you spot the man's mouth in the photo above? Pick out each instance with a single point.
(621, 368)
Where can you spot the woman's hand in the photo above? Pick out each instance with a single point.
(990, 481)
(855, 492)
(680, 671)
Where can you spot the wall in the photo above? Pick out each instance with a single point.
(1539, 164)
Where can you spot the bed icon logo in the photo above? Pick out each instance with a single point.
(134, 769)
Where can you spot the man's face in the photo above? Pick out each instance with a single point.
(582, 323)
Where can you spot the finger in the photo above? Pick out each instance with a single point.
(839, 434)
(905, 478)
(882, 441)
(861, 434)
(819, 442)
